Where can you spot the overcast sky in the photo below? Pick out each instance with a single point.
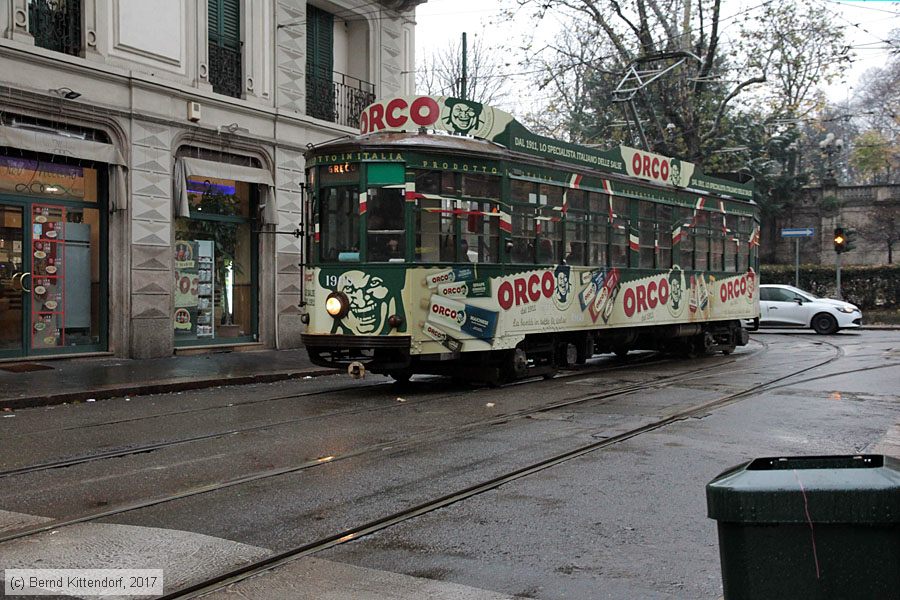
(867, 24)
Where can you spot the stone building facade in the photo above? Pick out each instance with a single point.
(824, 209)
(151, 163)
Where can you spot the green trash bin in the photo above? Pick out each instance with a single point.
(809, 527)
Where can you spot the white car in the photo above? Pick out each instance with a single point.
(787, 306)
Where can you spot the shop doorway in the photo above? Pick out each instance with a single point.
(52, 278)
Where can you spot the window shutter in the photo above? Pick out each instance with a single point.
(225, 22)
(319, 42)
(231, 23)
(214, 16)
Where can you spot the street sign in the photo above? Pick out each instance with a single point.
(798, 232)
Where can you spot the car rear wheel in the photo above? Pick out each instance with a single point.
(824, 324)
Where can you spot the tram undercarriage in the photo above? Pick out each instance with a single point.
(537, 355)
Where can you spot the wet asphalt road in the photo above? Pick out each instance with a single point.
(627, 521)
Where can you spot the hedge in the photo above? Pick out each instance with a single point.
(865, 286)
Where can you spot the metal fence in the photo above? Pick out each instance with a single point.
(337, 97)
(56, 25)
(225, 69)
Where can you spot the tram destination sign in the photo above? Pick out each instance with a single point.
(465, 117)
(798, 232)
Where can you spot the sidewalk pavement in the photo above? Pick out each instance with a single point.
(39, 383)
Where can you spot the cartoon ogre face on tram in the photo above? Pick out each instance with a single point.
(371, 303)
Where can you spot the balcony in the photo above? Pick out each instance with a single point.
(337, 97)
(225, 69)
(56, 25)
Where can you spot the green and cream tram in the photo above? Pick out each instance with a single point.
(447, 238)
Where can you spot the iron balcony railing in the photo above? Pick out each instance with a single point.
(337, 97)
(56, 25)
(225, 69)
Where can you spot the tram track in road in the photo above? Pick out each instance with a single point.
(355, 389)
(650, 358)
(273, 561)
(394, 445)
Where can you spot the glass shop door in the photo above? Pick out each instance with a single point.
(15, 281)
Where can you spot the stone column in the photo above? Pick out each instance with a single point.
(202, 48)
(18, 22)
(92, 28)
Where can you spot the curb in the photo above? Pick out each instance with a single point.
(143, 389)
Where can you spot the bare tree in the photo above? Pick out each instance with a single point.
(441, 74)
(883, 227)
(685, 111)
(681, 112)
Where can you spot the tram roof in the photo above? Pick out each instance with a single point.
(454, 124)
(419, 141)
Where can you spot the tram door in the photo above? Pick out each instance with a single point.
(15, 280)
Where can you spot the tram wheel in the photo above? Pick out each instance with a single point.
(726, 350)
(704, 344)
(621, 351)
(515, 366)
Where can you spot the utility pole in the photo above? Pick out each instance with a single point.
(464, 84)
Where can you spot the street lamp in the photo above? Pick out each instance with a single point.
(829, 147)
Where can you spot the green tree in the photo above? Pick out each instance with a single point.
(872, 156)
(799, 47)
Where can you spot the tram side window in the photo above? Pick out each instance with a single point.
(598, 204)
(451, 183)
(480, 240)
(618, 246)
(663, 236)
(481, 235)
(717, 251)
(435, 229)
(522, 194)
(683, 255)
(599, 244)
(549, 238)
(731, 246)
(522, 191)
(647, 234)
(339, 224)
(700, 233)
(479, 185)
(522, 235)
(576, 238)
(432, 225)
(745, 227)
(386, 239)
(428, 182)
(575, 251)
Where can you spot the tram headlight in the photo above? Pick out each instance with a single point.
(337, 305)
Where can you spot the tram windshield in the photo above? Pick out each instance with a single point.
(386, 230)
(338, 224)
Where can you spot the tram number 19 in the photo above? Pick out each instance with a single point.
(331, 281)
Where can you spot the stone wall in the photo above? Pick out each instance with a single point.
(850, 206)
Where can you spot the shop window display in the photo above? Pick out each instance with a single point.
(214, 270)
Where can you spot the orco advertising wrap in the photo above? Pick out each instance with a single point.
(463, 309)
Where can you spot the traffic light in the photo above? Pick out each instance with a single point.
(840, 240)
(849, 239)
